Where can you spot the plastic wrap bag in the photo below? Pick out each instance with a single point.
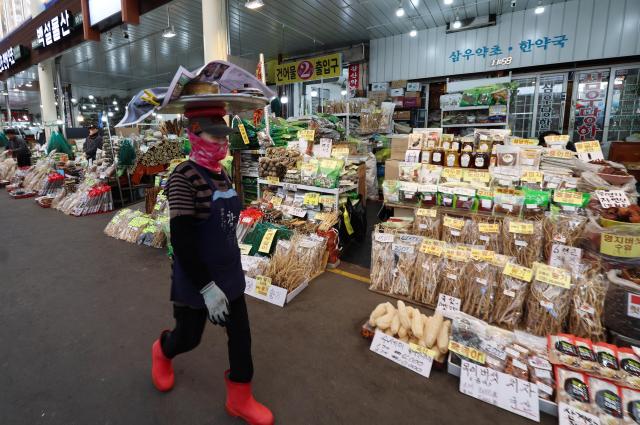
(548, 301)
(404, 254)
(606, 402)
(562, 228)
(510, 296)
(494, 346)
(427, 223)
(457, 229)
(454, 273)
(382, 261)
(480, 288)
(428, 266)
(631, 406)
(523, 240)
(372, 177)
(586, 317)
(486, 233)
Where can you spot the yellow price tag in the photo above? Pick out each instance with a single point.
(431, 247)
(532, 176)
(267, 240)
(468, 352)
(457, 254)
(619, 245)
(521, 228)
(262, 285)
(560, 153)
(485, 193)
(427, 212)
(524, 142)
(311, 198)
(567, 197)
(422, 350)
(432, 167)
(552, 275)
(273, 180)
(591, 146)
(477, 176)
(243, 133)
(518, 272)
(482, 255)
(244, 248)
(308, 135)
(308, 168)
(340, 152)
(453, 223)
(276, 201)
(488, 227)
(453, 173)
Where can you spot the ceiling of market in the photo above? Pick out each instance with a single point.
(293, 27)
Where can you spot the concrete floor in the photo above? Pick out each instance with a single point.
(80, 311)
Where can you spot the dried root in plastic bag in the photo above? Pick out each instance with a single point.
(424, 287)
(509, 300)
(404, 260)
(548, 301)
(457, 229)
(562, 228)
(427, 223)
(487, 232)
(586, 317)
(454, 275)
(479, 289)
(522, 239)
(381, 262)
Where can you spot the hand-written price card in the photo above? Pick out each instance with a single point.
(500, 389)
(401, 353)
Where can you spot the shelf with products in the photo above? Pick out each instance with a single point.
(491, 124)
(465, 108)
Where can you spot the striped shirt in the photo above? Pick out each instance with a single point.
(188, 192)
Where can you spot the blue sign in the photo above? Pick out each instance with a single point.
(526, 46)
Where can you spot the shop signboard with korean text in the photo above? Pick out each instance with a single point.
(551, 98)
(310, 69)
(12, 55)
(55, 29)
(589, 105)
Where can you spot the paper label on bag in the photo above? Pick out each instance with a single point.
(468, 352)
(521, 228)
(456, 254)
(276, 201)
(524, 142)
(399, 248)
(482, 255)
(308, 135)
(427, 212)
(532, 176)
(453, 173)
(453, 223)
(273, 180)
(383, 237)
(620, 245)
(244, 248)
(560, 153)
(568, 197)
(552, 275)
(518, 272)
(267, 240)
(311, 198)
(488, 227)
(431, 247)
(565, 257)
(589, 151)
(477, 176)
(324, 148)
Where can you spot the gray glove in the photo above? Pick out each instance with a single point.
(217, 304)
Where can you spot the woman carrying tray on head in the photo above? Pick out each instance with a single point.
(208, 281)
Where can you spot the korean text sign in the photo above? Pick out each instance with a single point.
(525, 47)
(311, 69)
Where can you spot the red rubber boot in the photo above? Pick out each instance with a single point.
(161, 368)
(241, 404)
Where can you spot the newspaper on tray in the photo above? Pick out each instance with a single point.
(229, 77)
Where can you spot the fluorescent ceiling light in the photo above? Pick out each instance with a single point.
(448, 1)
(540, 8)
(413, 33)
(116, 108)
(83, 106)
(254, 4)
(115, 102)
(169, 32)
(400, 12)
(314, 93)
(93, 105)
(343, 92)
(74, 100)
(110, 113)
(284, 100)
(456, 24)
(91, 97)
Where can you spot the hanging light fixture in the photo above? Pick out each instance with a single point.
(540, 9)
(413, 32)
(110, 114)
(74, 100)
(115, 102)
(314, 93)
(80, 118)
(254, 4)
(93, 106)
(284, 100)
(116, 108)
(448, 2)
(400, 10)
(456, 24)
(91, 97)
(83, 107)
(343, 92)
(169, 31)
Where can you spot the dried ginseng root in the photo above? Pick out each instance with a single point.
(480, 287)
(522, 239)
(586, 315)
(562, 228)
(381, 262)
(513, 286)
(548, 301)
(424, 287)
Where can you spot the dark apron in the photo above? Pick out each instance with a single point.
(217, 247)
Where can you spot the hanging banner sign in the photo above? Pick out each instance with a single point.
(311, 69)
(354, 77)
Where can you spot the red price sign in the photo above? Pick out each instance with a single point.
(305, 70)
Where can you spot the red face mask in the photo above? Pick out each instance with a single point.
(207, 154)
